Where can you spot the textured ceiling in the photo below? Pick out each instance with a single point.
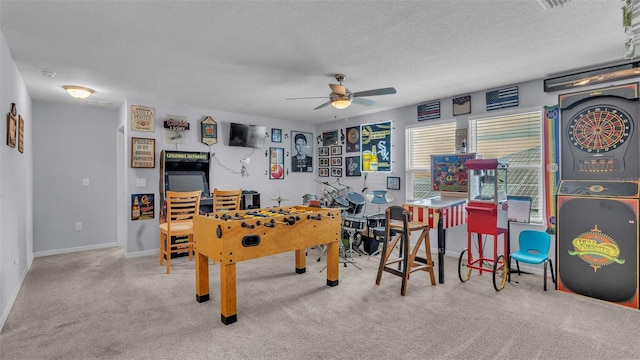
(249, 56)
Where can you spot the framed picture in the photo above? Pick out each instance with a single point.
(336, 172)
(20, 134)
(352, 166)
(336, 150)
(336, 161)
(12, 127)
(302, 150)
(323, 172)
(323, 151)
(393, 183)
(323, 162)
(143, 152)
(276, 163)
(208, 131)
(353, 139)
(276, 135)
(330, 138)
(462, 105)
(143, 118)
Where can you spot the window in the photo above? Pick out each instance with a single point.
(420, 143)
(518, 139)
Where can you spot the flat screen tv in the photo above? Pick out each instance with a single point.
(187, 181)
(247, 135)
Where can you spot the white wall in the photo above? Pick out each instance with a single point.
(225, 165)
(16, 179)
(531, 94)
(72, 144)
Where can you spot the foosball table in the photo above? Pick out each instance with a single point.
(231, 237)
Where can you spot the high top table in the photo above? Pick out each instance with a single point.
(450, 211)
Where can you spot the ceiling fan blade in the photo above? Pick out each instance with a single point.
(309, 97)
(323, 105)
(374, 92)
(361, 101)
(338, 89)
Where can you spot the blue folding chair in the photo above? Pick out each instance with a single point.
(534, 249)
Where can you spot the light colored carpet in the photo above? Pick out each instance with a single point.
(100, 305)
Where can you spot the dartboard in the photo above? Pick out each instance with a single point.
(599, 128)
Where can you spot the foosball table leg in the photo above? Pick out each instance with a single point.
(228, 306)
(301, 261)
(332, 264)
(202, 278)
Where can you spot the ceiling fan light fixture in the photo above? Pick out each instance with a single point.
(78, 92)
(341, 104)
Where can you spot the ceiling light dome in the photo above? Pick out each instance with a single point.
(78, 92)
(340, 102)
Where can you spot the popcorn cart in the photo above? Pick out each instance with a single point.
(486, 215)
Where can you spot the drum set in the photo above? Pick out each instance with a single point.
(355, 225)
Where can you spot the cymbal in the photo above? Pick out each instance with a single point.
(280, 199)
(325, 183)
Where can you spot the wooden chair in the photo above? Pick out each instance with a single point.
(398, 229)
(181, 207)
(226, 200)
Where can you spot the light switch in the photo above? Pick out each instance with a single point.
(141, 182)
(85, 182)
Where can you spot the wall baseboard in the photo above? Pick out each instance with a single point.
(75, 249)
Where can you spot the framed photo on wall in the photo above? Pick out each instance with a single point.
(12, 127)
(336, 161)
(352, 166)
(20, 134)
(323, 172)
(276, 135)
(143, 152)
(393, 183)
(336, 172)
(323, 151)
(276, 163)
(330, 138)
(302, 150)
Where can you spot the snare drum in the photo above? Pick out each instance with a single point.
(356, 202)
(353, 222)
(308, 197)
(377, 220)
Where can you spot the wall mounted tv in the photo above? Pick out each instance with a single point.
(247, 135)
(187, 181)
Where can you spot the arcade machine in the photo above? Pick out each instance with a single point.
(184, 171)
(486, 215)
(597, 229)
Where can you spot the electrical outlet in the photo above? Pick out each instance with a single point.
(78, 226)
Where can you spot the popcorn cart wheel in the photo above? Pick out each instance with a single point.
(466, 264)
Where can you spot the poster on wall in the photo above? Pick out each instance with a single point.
(276, 163)
(142, 206)
(376, 147)
(302, 146)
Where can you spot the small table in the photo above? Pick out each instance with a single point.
(451, 213)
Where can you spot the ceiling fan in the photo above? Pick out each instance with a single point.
(341, 97)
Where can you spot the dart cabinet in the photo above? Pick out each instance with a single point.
(184, 171)
(597, 202)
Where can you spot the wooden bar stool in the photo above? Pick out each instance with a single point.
(398, 229)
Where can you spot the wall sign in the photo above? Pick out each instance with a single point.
(175, 125)
(209, 131)
(142, 118)
(143, 153)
